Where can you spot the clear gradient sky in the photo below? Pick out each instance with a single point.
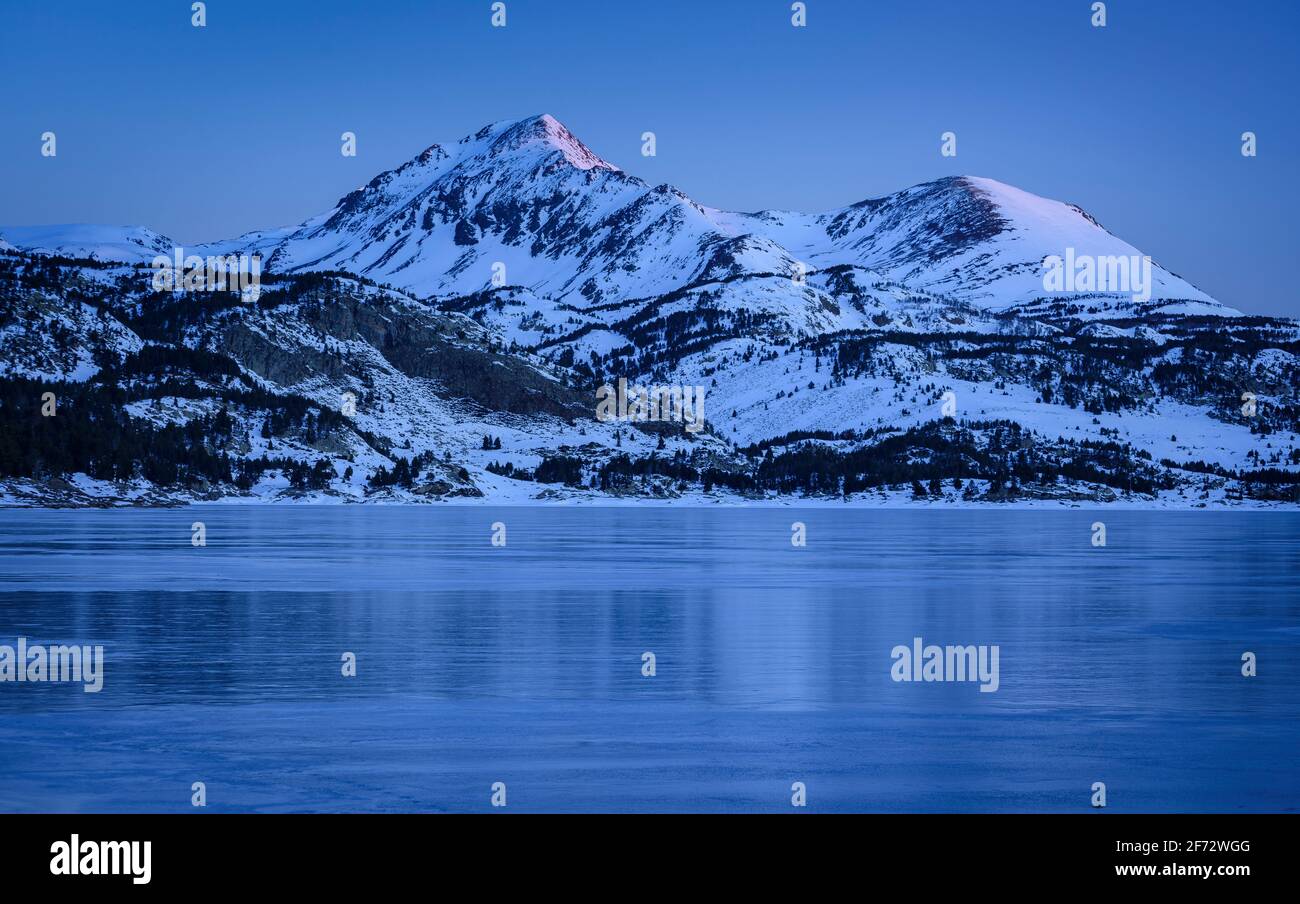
(207, 133)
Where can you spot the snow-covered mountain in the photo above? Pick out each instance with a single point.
(576, 229)
(487, 288)
(126, 244)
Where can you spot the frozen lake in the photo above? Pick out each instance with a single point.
(523, 664)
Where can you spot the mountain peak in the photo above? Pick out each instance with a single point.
(546, 132)
(570, 226)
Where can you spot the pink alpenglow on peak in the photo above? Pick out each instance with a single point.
(525, 203)
(551, 134)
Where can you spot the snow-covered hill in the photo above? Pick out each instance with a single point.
(576, 229)
(127, 244)
(571, 227)
(488, 288)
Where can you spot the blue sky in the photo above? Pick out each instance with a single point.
(207, 133)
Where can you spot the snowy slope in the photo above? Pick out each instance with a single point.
(127, 244)
(573, 228)
(976, 239)
(570, 226)
(525, 271)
